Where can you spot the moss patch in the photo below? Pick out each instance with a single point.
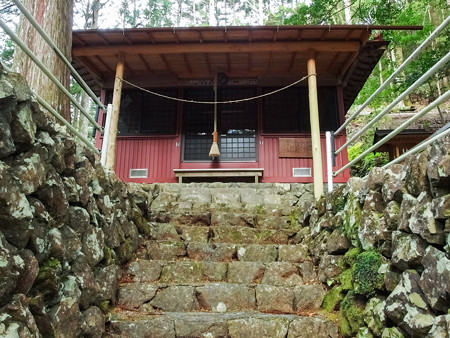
(352, 307)
(351, 255)
(365, 273)
(333, 298)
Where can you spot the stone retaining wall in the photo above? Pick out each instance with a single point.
(382, 244)
(66, 224)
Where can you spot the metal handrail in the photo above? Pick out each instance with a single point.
(47, 72)
(402, 127)
(439, 134)
(49, 41)
(394, 74)
(415, 85)
(418, 147)
(65, 122)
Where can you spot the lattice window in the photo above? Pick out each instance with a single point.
(288, 110)
(147, 114)
(236, 125)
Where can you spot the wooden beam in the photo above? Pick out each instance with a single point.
(111, 152)
(315, 127)
(233, 47)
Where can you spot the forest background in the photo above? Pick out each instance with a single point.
(103, 14)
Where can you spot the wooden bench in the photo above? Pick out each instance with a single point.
(227, 172)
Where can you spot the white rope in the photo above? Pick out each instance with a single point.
(215, 101)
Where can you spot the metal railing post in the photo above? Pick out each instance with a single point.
(329, 160)
(106, 135)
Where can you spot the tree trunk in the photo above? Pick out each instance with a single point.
(55, 17)
(348, 11)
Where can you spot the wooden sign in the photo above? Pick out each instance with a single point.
(295, 147)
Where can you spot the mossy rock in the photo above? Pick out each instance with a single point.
(351, 255)
(333, 298)
(352, 308)
(346, 279)
(48, 278)
(365, 273)
(352, 219)
(109, 256)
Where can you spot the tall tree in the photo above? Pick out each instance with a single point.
(55, 18)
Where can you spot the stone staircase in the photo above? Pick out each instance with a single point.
(222, 260)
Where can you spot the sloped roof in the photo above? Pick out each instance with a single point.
(271, 54)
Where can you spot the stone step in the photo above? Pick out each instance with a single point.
(220, 234)
(233, 325)
(191, 271)
(223, 252)
(274, 219)
(289, 298)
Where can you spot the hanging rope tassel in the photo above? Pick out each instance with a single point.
(215, 152)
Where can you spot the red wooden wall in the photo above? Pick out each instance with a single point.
(161, 155)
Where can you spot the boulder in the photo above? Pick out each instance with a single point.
(28, 272)
(330, 268)
(7, 146)
(423, 223)
(373, 228)
(435, 279)
(23, 128)
(416, 179)
(393, 186)
(374, 315)
(132, 296)
(10, 267)
(94, 322)
(407, 250)
(407, 306)
(440, 328)
(337, 243)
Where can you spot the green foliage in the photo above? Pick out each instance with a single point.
(371, 160)
(49, 268)
(352, 308)
(351, 255)
(7, 52)
(333, 298)
(365, 273)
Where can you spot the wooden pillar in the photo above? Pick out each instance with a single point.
(315, 127)
(111, 152)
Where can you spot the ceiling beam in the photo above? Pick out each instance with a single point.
(254, 47)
